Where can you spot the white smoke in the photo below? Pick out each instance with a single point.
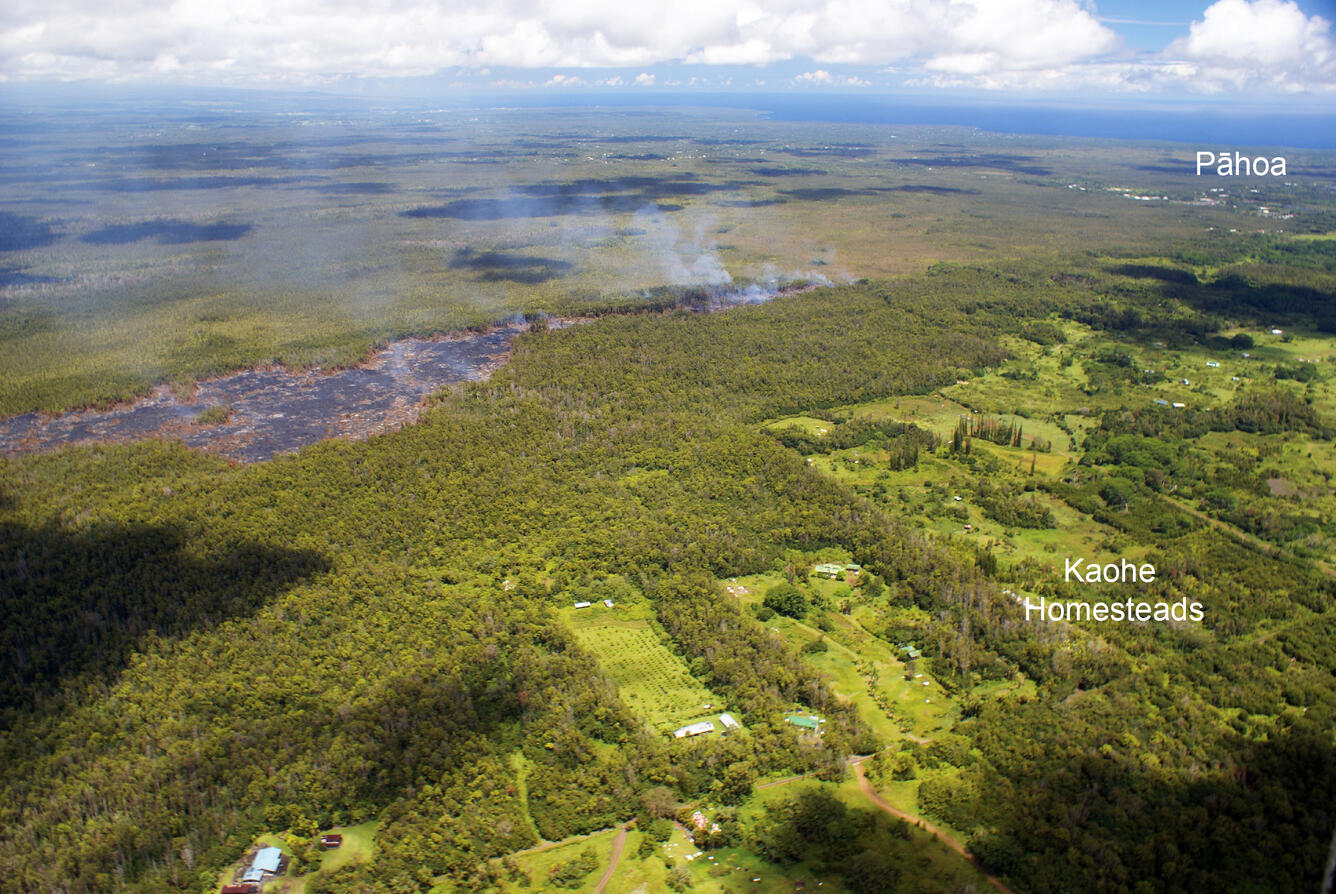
(685, 261)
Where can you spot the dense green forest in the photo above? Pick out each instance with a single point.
(196, 653)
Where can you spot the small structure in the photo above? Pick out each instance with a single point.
(852, 568)
(331, 841)
(582, 604)
(828, 570)
(912, 652)
(1212, 364)
(239, 889)
(694, 729)
(609, 603)
(1179, 406)
(1161, 402)
(265, 864)
(728, 722)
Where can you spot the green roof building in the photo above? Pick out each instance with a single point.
(826, 569)
(811, 723)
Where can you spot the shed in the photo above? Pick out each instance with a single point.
(331, 840)
(582, 605)
(238, 889)
(694, 729)
(609, 603)
(268, 859)
(729, 722)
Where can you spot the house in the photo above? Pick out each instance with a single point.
(694, 729)
(729, 722)
(265, 864)
(331, 840)
(808, 723)
(828, 570)
(912, 652)
(582, 604)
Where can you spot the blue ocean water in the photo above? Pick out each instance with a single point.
(1203, 125)
(1221, 125)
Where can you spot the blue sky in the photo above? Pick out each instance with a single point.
(1254, 50)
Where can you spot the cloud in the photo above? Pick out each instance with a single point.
(1257, 45)
(1269, 44)
(823, 78)
(314, 39)
(819, 76)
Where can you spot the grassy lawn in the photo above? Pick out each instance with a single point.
(359, 846)
(862, 669)
(537, 864)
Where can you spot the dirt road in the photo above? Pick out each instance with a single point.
(886, 807)
(615, 857)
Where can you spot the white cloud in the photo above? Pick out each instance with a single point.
(1265, 43)
(823, 78)
(820, 76)
(259, 39)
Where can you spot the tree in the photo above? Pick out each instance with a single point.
(786, 599)
(870, 872)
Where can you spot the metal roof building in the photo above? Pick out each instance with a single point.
(265, 863)
(694, 729)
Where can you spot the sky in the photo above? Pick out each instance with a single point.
(1258, 50)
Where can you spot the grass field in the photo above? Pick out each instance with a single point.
(862, 669)
(652, 680)
(537, 864)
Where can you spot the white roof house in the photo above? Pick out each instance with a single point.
(582, 605)
(694, 729)
(729, 722)
(265, 863)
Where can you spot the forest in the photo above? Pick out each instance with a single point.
(199, 652)
(466, 644)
